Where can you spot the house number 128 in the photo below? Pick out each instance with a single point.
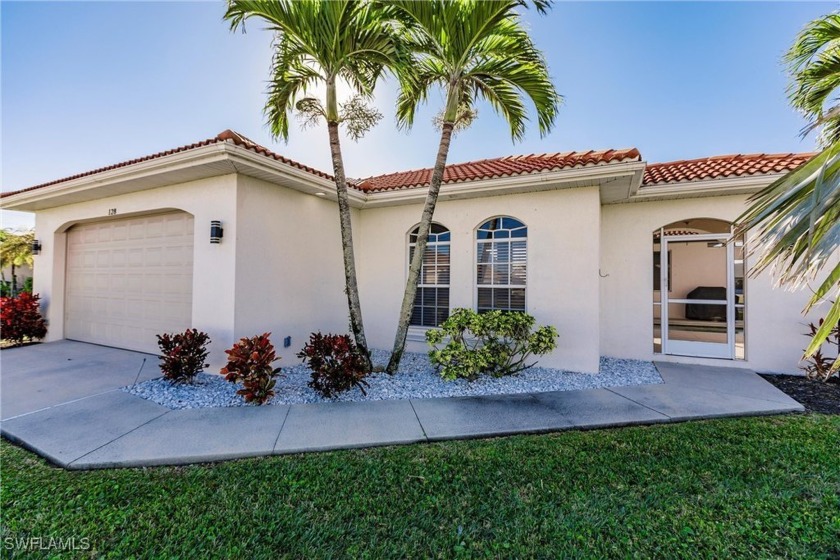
(112, 211)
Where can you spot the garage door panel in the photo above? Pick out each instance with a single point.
(129, 280)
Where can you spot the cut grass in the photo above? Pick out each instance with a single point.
(750, 487)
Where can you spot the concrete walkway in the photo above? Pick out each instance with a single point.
(62, 400)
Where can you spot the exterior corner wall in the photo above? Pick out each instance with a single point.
(289, 265)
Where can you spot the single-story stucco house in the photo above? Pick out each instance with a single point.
(625, 258)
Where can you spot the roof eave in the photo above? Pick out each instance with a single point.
(203, 162)
(620, 177)
(744, 184)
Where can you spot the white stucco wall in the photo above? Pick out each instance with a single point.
(289, 267)
(774, 322)
(563, 244)
(214, 269)
(279, 267)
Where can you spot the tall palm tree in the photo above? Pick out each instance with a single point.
(15, 251)
(796, 220)
(318, 43)
(472, 50)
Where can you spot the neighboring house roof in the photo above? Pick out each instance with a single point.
(719, 167)
(226, 135)
(683, 171)
(498, 167)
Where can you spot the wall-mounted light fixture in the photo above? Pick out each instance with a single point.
(216, 231)
(36, 247)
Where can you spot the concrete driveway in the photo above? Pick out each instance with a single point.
(62, 400)
(44, 375)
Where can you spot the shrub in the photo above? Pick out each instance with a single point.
(819, 366)
(27, 285)
(497, 343)
(183, 354)
(20, 318)
(336, 363)
(249, 363)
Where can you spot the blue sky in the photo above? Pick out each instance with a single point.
(89, 84)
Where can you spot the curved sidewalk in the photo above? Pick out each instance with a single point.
(62, 401)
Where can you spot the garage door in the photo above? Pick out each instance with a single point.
(128, 280)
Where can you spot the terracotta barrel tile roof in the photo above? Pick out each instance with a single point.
(227, 135)
(682, 171)
(498, 167)
(719, 167)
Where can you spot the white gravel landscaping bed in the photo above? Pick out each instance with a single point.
(416, 379)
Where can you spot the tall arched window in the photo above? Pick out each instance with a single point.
(501, 267)
(431, 304)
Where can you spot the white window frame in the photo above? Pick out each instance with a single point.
(477, 242)
(420, 284)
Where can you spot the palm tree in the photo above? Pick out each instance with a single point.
(796, 220)
(15, 251)
(472, 50)
(814, 67)
(318, 43)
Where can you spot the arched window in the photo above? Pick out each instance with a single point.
(431, 304)
(501, 264)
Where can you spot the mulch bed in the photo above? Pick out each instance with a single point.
(816, 396)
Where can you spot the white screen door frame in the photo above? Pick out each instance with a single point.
(698, 349)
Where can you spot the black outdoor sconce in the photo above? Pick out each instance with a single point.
(36, 247)
(216, 231)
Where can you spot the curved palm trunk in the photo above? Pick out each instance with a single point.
(351, 283)
(420, 248)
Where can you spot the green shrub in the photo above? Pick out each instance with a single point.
(249, 362)
(336, 362)
(497, 343)
(183, 354)
(27, 285)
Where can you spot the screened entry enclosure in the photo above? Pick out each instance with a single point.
(698, 290)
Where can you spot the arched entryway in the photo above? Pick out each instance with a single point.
(699, 295)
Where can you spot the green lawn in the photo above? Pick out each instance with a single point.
(750, 488)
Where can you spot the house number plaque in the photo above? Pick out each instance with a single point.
(112, 211)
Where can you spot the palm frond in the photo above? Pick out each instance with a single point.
(813, 63)
(474, 50)
(795, 223)
(320, 42)
(16, 248)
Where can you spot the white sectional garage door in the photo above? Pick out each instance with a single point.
(128, 280)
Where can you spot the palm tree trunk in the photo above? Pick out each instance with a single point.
(350, 279)
(420, 248)
(14, 281)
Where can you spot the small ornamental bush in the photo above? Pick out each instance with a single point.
(819, 366)
(249, 363)
(336, 363)
(497, 343)
(183, 355)
(20, 318)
